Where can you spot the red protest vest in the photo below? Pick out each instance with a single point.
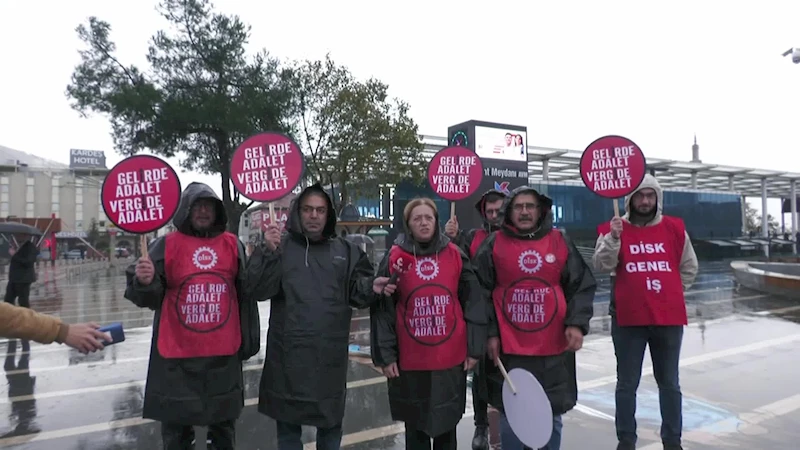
(528, 298)
(431, 331)
(648, 288)
(200, 312)
(477, 239)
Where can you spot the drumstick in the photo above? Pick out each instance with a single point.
(505, 375)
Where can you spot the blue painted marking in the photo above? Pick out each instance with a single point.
(696, 413)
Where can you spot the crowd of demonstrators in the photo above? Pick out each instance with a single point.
(442, 304)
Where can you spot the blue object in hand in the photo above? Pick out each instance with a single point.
(116, 331)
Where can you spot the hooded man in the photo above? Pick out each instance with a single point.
(489, 207)
(21, 271)
(652, 262)
(543, 294)
(313, 279)
(203, 326)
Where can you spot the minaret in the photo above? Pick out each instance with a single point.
(696, 151)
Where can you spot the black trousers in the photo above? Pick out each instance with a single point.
(418, 440)
(20, 292)
(480, 407)
(221, 436)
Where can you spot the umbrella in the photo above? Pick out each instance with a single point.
(18, 228)
(359, 239)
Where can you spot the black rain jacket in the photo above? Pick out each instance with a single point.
(312, 286)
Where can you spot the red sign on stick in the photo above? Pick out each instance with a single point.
(613, 166)
(267, 167)
(455, 173)
(141, 194)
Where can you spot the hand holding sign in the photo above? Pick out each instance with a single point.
(141, 194)
(272, 237)
(613, 167)
(455, 173)
(145, 271)
(451, 227)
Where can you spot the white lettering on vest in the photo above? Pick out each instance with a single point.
(429, 318)
(648, 266)
(202, 303)
(646, 249)
(527, 305)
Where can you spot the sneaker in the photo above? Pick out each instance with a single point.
(481, 439)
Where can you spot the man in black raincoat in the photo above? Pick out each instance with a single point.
(489, 207)
(530, 258)
(313, 279)
(199, 338)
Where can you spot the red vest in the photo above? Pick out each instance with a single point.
(477, 239)
(431, 331)
(648, 288)
(527, 296)
(200, 312)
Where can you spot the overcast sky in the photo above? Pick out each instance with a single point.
(569, 71)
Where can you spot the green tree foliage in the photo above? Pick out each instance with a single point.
(200, 98)
(354, 136)
(753, 221)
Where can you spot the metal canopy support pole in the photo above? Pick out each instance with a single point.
(793, 200)
(764, 221)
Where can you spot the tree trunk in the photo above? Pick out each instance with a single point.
(345, 197)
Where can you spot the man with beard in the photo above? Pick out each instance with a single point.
(652, 262)
(543, 293)
(203, 326)
(312, 279)
(489, 207)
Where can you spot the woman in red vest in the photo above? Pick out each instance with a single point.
(430, 331)
(543, 294)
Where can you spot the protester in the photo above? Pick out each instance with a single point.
(313, 278)
(489, 207)
(23, 323)
(428, 333)
(21, 271)
(543, 293)
(203, 326)
(643, 249)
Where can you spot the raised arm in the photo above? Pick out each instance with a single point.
(382, 314)
(473, 303)
(264, 272)
(151, 295)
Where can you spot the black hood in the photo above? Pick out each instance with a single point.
(545, 224)
(192, 193)
(293, 224)
(480, 206)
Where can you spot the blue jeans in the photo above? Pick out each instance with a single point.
(509, 440)
(290, 437)
(665, 351)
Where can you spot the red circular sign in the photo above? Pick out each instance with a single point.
(530, 304)
(613, 166)
(429, 314)
(141, 194)
(266, 167)
(455, 173)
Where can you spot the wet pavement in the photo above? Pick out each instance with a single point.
(739, 372)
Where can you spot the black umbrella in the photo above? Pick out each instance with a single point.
(18, 228)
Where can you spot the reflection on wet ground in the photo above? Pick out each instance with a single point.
(738, 373)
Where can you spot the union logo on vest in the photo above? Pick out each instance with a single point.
(427, 269)
(530, 261)
(204, 258)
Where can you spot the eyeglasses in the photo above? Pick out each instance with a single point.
(524, 206)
